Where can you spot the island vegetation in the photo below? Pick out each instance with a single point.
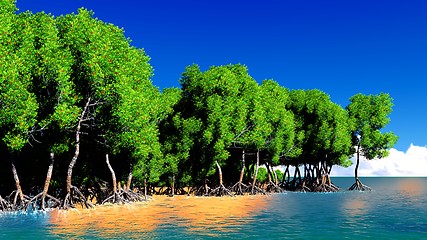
(82, 123)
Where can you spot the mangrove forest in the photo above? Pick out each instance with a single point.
(82, 124)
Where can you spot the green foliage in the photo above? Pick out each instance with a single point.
(262, 176)
(221, 100)
(275, 122)
(50, 67)
(18, 106)
(324, 127)
(368, 114)
(279, 174)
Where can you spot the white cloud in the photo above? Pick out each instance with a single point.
(413, 163)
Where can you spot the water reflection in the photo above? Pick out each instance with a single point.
(355, 207)
(412, 187)
(195, 214)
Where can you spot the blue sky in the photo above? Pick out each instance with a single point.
(339, 47)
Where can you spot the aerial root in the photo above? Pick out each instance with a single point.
(16, 204)
(257, 190)
(324, 187)
(359, 186)
(220, 191)
(204, 190)
(274, 188)
(38, 202)
(123, 196)
(115, 198)
(239, 188)
(5, 205)
(75, 196)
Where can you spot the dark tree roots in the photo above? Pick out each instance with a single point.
(359, 186)
(123, 196)
(273, 188)
(220, 191)
(39, 202)
(240, 188)
(75, 197)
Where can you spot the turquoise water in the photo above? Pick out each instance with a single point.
(396, 209)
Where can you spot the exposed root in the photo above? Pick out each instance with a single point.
(240, 188)
(184, 191)
(5, 205)
(123, 196)
(115, 198)
(119, 195)
(359, 186)
(75, 197)
(273, 188)
(257, 190)
(220, 191)
(39, 202)
(324, 187)
(304, 188)
(324, 184)
(301, 186)
(17, 203)
(133, 196)
(168, 191)
(204, 190)
(98, 191)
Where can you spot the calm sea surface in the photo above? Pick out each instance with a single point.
(396, 209)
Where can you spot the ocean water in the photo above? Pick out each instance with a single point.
(395, 209)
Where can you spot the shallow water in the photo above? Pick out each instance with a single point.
(396, 209)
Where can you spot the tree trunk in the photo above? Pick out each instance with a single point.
(276, 180)
(220, 190)
(68, 200)
(71, 165)
(77, 151)
(299, 174)
(357, 164)
(295, 175)
(173, 185)
(358, 184)
(269, 174)
(256, 171)
(145, 188)
(18, 186)
(242, 172)
(286, 175)
(129, 177)
(206, 187)
(329, 169)
(219, 173)
(48, 177)
(113, 175)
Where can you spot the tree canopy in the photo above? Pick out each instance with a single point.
(75, 88)
(368, 115)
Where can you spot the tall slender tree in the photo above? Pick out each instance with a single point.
(368, 115)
